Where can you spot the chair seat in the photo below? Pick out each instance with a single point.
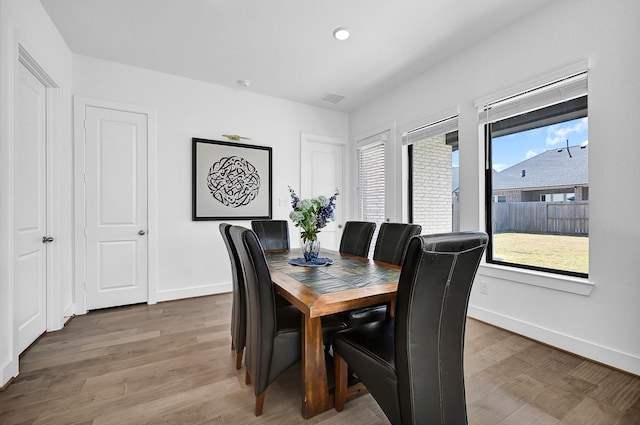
(331, 325)
(288, 334)
(369, 350)
(289, 319)
(365, 315)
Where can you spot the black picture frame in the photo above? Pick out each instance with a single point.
(231, 181)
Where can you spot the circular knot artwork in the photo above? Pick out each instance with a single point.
(233, 181)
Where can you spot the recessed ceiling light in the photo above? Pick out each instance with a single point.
(341, 33)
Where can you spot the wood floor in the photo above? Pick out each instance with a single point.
(171, 363)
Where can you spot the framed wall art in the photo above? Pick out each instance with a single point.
(231, 181)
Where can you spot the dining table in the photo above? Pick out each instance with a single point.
(335, 283)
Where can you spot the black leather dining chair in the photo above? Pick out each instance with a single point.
(273, 332)
(239, 298)
(391, 246)
(273, 234)
(393, 240)
(412, 364)
(356, 238)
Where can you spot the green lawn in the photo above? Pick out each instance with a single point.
(569, 253)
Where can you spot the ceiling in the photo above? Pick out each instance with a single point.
(285, 48)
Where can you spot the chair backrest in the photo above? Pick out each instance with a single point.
(392, 241)
(239, 302)
(261, 319)
(273, 234)
(356, 238)
(431, 308)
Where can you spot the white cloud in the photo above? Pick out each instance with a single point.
(499, 167)
(531, 154)
(559, 133)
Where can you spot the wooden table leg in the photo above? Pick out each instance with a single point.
(315, 388)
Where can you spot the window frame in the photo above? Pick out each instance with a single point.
(544, 116)
(451, 136)
(445, 123)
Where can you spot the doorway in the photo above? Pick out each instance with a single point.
(112, 184)
(31, 240)
(322, 172)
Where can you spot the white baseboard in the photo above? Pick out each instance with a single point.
(9, 370)
(197, 291)
(580, 347)
(68, 311)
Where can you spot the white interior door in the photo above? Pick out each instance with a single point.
(30, 209)
(116, 207)
(322, 173)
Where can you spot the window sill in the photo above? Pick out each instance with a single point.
(573, 285)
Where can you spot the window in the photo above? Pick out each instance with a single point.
(537, 178)
(371, 185)
(433, 175)
(558, 197)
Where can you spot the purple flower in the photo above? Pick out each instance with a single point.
(311, 215)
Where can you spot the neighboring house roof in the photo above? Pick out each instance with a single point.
(551, 168)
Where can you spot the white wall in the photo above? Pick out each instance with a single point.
(602, 324)
(192, 259)
(25, 22)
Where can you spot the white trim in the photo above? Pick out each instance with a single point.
(79, 240)
(54, 315)
(364, 139)
(9, 364)
(79, 106)
(554, 75)
(374, 139)
(558, 282)
(434, 118)
(307, 137)
(194, 291)
(55, 318)
(581, 347)
(34, 67)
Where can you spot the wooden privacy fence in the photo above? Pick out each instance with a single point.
(567, 218)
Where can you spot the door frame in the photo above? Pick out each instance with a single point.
(80, 104)
(54, 318)
(306, 138)
(18, 55)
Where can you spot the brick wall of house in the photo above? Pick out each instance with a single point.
(432, 185)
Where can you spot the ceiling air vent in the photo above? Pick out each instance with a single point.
(333, 97)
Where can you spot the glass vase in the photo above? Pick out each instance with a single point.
(310, 250)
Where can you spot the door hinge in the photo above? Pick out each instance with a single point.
(85, 232)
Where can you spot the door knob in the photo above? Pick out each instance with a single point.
(339, 226)
(141, 232)
(46, 239)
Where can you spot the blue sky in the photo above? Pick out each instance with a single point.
(514, 148)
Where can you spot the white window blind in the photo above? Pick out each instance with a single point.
(443, 126)
(561, 90)
(371, 182)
